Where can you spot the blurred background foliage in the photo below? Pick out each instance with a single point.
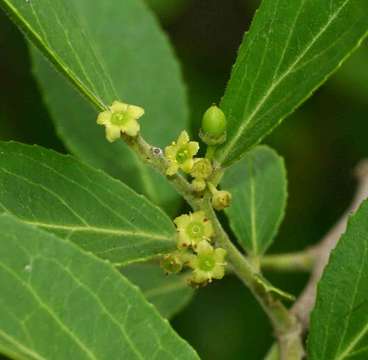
(321, 143)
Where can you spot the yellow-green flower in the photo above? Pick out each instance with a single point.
(180, 154)
(208, 264)
(120, 118)
(193, 228)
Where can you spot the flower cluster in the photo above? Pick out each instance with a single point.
(195, 251)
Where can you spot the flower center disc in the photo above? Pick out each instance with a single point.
(206, 263)
(195, 230)
(182, 155)
(119, 118)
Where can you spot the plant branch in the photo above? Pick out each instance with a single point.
(305, 303)
(290, 262)
(154, 157)
(285, 324)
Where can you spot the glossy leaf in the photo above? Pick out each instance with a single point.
(290, 50)
(84, 205)
(169, 293)
(339, 322)
(108, 50)
(58, 302)
(259, 192)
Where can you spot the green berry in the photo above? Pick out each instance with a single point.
(214, 122)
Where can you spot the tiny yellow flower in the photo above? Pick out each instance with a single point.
(208, 264)
(193, 228)
(180, 154)
(120, 118)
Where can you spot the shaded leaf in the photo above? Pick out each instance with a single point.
(290, 50)
(259, 191)
(84, 205)
(339, 322)
(58, 302)
(169, 293)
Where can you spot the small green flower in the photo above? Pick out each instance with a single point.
(193, 228)
(208, 264)
(120, 118)
(202, 168)
(180, 154)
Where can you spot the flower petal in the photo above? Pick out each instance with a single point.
(218, 272)
(193, 148)
(204, 248)
(131, 128)
(118, 106)
(112, 133)
(187, 165)
(170, 151)
(200, 276)
(208, 229)
(220, 255)
(182, 221)
(135, 111)
(104, 117)
(183, 138)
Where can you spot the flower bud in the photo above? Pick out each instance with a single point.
(221, 200)
(213, 130)
(201, 169)
(198, 185)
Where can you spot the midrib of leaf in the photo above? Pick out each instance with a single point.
(76, 184)
(358, 337)
(53, 57)
(98, 230)
(222, 156)
(21, 347)
(246, 107)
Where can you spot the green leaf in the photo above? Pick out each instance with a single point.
(259, 191)
(339, 322)
(109, 50)
(169, 294)
(84, 205)
(58, 302)
(290, 50)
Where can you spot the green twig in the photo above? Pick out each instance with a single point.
(286, 326)
(291, 262)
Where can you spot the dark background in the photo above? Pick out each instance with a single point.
(321, 143)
